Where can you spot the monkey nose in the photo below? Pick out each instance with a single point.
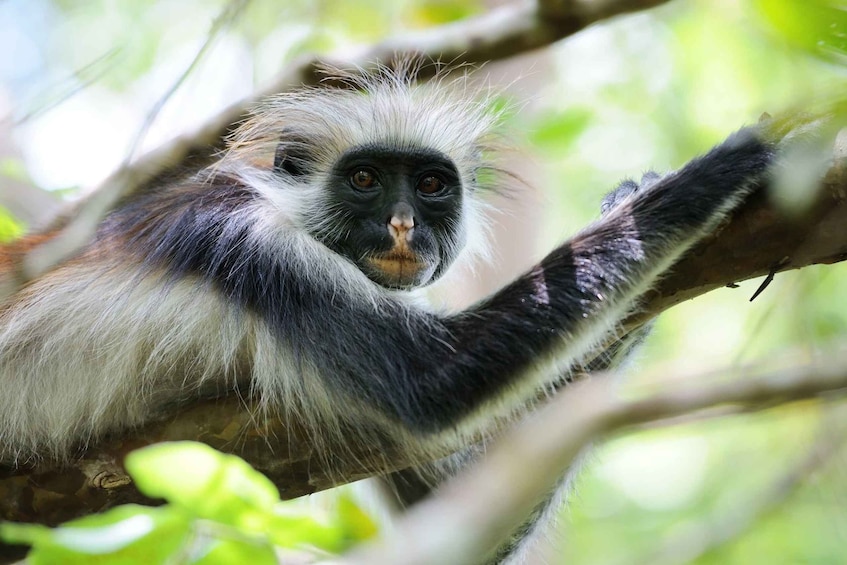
(400, 226)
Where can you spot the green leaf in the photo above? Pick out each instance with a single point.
(297, 526)
(23, 534)
(559, 131)
(222, 511)
(225, 489)
(125, 535)
(356, 524)
(9, 227)
(228, 551)
(204, 482)
(437, 12)
(817, 26)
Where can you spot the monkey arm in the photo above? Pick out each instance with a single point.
(362, 344)
(430, 372)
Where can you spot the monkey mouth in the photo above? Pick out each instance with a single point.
(399, 269)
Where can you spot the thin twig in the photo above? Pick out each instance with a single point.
(231, 12)
(87, 75)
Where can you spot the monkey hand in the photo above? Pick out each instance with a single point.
(626, 188)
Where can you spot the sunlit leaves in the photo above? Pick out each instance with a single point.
(9, 227)
(204, 481)
(126, 535)
(557, 131)
(818, 26)
(435, 12)
(220, 511)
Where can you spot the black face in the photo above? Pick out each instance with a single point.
(398, 213)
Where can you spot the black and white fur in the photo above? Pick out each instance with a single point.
(246, 278)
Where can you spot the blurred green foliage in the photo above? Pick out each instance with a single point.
(650, 90)
(817, 26)
(10, 228)
(219, 511)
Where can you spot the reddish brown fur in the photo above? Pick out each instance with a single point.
(12, 253)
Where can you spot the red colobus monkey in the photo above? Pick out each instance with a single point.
(295, 284)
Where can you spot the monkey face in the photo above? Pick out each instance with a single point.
(395, 213)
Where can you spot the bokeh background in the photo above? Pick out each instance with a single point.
(648, 90)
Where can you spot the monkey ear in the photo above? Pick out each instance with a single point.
(291, 156)
(287, 163)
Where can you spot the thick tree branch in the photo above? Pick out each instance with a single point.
(761, 239)
(757, 240)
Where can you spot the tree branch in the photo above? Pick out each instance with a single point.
(761, 239)
(477, 505)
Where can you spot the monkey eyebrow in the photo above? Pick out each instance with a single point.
(386, 152)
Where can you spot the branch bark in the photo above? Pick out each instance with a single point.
(761, 239)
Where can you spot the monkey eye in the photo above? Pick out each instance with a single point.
(363, 179)
(430, 184)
